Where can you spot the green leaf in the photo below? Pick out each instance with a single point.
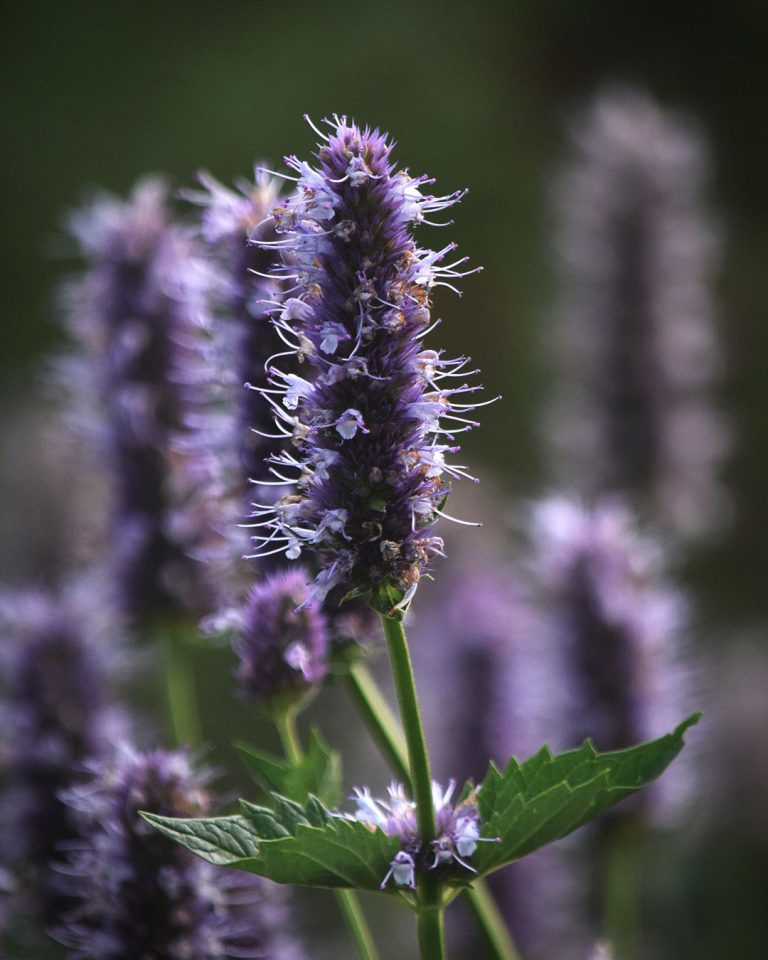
(527, 805)
(532, 804)
(319, 772)
(289, 844)
(219, 840)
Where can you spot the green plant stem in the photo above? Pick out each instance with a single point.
(289, 737)
(429, 920)
(349, 905)
(418, 760)
(180, 687)
(483, 908)
(387, 733)
(620, 863)
(381, 722)
(348, 901)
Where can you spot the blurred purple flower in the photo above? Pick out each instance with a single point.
(635, 333)
(281, 641)
(619, 629)
(58, 658)
(126, 311)
(138, 894)
(368, 419)
(229, 429)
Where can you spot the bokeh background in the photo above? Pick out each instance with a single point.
(477, 95)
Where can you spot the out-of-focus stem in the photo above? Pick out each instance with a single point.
(381, 722)
(180, 686)
(348, 902)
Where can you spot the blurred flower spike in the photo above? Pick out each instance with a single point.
(371, 423)
(281, 643)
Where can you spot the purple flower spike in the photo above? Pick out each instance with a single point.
(639, 356)
(282, 642)
(138, 894)
(56, 657)
(370, 419)
(618, 621)
(126, 311)
(229, 429)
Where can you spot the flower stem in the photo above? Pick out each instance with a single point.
(429, 920)
(402, 671)
(348, 902)
(285, 721)
(380, 720)
(483, 908)
(388, 735)
(180, 687)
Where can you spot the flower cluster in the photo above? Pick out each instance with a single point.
(639, 354)
(372, 421)
(126, 311)
(136, 893)
(458, 830)
(281, 641)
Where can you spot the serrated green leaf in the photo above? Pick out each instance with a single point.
(532, 804)
(319, 772)
(219, 840)
(289, 844)
(527, 805)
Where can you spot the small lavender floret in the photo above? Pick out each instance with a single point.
(126, 310)
(58, 659)
(371, 421)
(282, 642)
(458, 830)
(138, 894)
(639, 357)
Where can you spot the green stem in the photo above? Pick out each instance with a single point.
(289, 737)
(356, 924)
(348, 902)
(483, 908)
(180, 685)
(388, 735)
(381, 722)
(620, 882)
(429, 920)
(402, 671)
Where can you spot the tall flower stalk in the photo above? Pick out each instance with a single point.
(126, 310)
(639, 357)
(373, 420)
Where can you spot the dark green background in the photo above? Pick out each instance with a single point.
(476, 94)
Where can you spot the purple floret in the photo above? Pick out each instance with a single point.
(367, 419)
(282, 642)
